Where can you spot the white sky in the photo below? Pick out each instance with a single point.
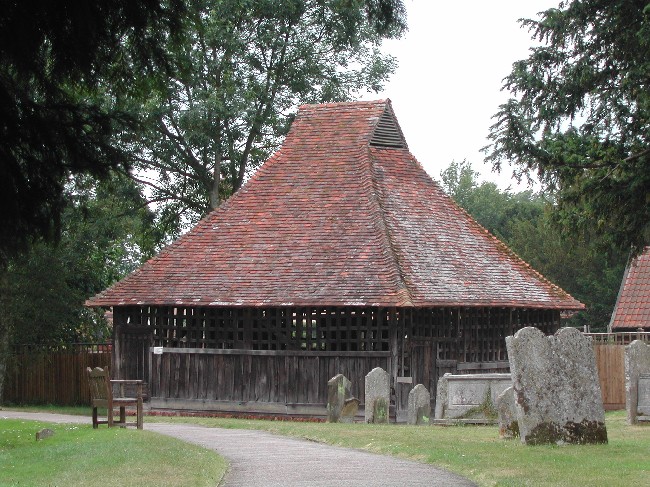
(448, 84)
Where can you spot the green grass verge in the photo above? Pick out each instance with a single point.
(478, 453)
(80, 455)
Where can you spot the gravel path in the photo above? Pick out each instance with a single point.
(261, 459)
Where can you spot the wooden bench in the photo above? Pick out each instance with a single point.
(101, 395)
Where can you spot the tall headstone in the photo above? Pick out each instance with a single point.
(505, 405)
(637, 363)
(377, 396)
(556, 389)
(338, 390)
(419, 405)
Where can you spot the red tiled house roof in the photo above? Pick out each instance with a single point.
(632, 310)
(341, 215)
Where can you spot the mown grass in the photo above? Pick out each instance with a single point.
(80, 455)
(477, 452)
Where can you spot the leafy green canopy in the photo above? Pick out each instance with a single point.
(238, 79)
(53, 57)
(106, 232)
(580, 116)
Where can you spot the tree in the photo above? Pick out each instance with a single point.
(245, 68)
(580, 116)
(498, 211)
(53, 57)
(107, 232)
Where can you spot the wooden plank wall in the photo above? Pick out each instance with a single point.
(610, 360)
(53, 377)
(269, 376)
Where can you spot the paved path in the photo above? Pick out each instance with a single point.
(261, 459)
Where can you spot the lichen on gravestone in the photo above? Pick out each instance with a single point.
(377, 388)
(555, 387)
(419, 405)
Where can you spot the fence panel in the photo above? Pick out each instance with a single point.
(610, 360)
(38, 376)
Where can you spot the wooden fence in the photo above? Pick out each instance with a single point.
(42, 376)
(609, 349)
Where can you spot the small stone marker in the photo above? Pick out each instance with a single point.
(338, 391)
(44, 433)
(349, 410)
(556, 389)
(419, 406)
(637, 363)
(505, 404)
(377, 396)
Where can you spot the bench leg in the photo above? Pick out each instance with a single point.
(122, 416)
(139, 413)
(95, 424)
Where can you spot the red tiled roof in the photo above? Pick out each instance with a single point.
(632, 309)
(331, 220)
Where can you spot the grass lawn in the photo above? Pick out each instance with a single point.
(79, 455)
(473, 451)
(477, 452)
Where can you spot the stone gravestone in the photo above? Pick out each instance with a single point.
(419, 406)
(338, 393)
(637, 362)
(505, 405)
(556, 389)
(377, 396)
(643, 397)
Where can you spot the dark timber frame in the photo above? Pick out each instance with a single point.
(277, 360)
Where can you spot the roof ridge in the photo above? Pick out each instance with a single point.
(385, 227)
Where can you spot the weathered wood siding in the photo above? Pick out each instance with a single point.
(192, 376)
(37, 376)
(610, 360)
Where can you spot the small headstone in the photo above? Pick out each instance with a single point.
(349, 411)
(377, 396)
(44, 433)
(419, 405)
(637, 363)
(556, 388)
(505, 404)
(338, 391)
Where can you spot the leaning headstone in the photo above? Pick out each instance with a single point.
(44, 433)
(637, 363)
(419, 405)
(556, 389)
(349, 410)
(377, 396)
(338, 390)
(505, 405)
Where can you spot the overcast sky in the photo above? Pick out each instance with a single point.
(448, 84)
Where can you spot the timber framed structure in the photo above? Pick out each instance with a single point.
(338, 256)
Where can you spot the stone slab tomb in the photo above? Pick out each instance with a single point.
(377, 396)
(556, 389)
(637, 382)
(341, 406)
(419, 405)
(469, 396)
